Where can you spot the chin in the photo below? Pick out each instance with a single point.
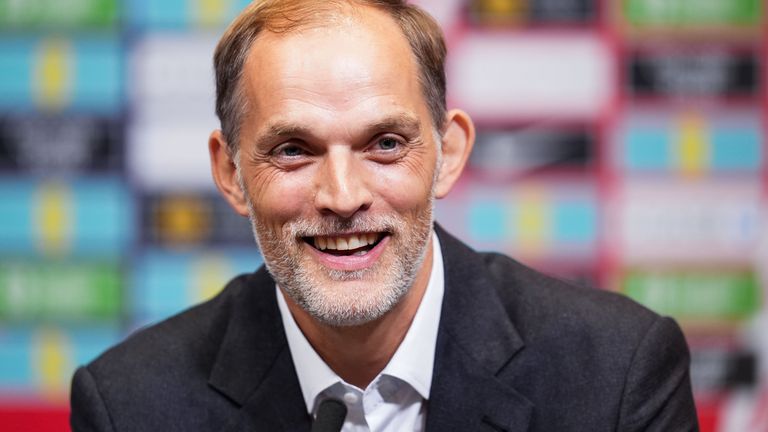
(349, 298)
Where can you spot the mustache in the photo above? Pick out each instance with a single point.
(332, 225)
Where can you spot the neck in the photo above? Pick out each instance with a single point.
(359, 353)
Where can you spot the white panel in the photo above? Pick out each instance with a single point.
(510, 76)
(171, 156)
(173, 98)
(690, 222)
(172, 76)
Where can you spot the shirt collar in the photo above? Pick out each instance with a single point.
(411, 362)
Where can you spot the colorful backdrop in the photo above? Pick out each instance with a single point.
(621, 144)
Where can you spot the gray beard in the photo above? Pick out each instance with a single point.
(342, 306)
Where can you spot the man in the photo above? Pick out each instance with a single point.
(335, 140)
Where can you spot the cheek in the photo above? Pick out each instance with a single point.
(278, 197)
(406, 186)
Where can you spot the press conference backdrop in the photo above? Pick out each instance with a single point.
(621, 144)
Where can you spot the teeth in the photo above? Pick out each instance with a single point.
(355, 243)
(341, 244)
(346, 242)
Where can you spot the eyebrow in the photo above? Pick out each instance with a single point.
(404, 122)
(401, 121)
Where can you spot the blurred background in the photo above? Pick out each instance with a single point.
(621, 144)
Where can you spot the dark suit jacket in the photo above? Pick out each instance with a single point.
(516, 351)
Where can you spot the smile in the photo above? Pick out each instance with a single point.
(348, 251)
(349, 244)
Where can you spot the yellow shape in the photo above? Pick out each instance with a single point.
(532, 222)
(53, 73)
(211, 12)
(502, 11)
(53, 215)
(52, 357)
(693, 145)
(183, 220)
(210, 275)
(504, 7)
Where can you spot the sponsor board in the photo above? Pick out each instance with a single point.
(166, 282)
(680, 222)
(719, 370)
(58, 14)
(509, 77)
(172, 102)
(54, 74)
(697, 295)
(530, 220)
(182, 14)
(53, 292)
(532, 149)
(85, 218)
(691, 143)
(60, 145)
(686, 71)
(40, 361)
(692, 13)
(193, 219)
(531, 12)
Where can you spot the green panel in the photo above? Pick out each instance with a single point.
(693, 295)
(692, 12)
(60, 291)
(58, 13)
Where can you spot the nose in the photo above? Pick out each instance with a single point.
(342, 184)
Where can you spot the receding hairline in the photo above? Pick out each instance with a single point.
(278, 17)
(333, 19)
(328, 14)
(351, 16)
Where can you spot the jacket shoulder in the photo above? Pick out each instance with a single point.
(543, 299)
(159, 375)
(191, 335)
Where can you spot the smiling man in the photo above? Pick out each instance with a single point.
(335, 140)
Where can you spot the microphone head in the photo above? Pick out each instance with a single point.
(330, 416)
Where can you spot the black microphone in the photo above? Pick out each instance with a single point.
(330, 416)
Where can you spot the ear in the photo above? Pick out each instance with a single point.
(225, 173)
(458, 139)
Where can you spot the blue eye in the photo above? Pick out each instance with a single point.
(291, 151)
(388, 143)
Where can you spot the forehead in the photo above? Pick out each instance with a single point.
(355, 62)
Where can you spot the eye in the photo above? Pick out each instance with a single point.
(387, 143)
(290, 155)
(387, 148)
(289, 150)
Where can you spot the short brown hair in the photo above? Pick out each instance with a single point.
(281, 16)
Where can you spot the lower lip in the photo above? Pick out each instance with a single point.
(350, 262)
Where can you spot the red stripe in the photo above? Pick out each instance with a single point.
(19, 418)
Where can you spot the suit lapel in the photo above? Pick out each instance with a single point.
(476, 341)
(253, 367)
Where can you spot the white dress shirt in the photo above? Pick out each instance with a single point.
(396, 399)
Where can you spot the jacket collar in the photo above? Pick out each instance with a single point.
(477, 340)
(253, 367)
